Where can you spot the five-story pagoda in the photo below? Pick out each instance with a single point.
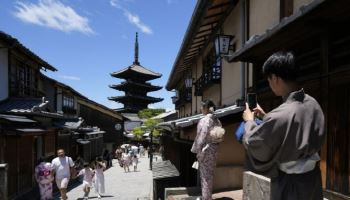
(135, 86)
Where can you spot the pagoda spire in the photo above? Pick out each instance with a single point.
(136, 60)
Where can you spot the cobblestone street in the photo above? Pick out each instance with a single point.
(122, 186)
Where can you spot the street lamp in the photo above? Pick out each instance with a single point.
(222, 45)
(150, 152)
(188, 81)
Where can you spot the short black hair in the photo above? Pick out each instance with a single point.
(282, 64)
(208, 103)
(86, 164)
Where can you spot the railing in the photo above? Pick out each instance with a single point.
(23, 91)
(69, 110)
(208, 78)
(185, 96)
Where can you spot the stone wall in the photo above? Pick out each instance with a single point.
(255, 186)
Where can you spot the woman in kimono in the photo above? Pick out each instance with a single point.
(285, 145)
(205, 150)
(44, 177)
(99, 177)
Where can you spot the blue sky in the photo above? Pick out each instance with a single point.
(86, 40)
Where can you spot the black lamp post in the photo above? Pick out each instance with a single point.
(151, 149)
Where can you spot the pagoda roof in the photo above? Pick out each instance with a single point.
(126, 85)
(135, 98)
(136, 70)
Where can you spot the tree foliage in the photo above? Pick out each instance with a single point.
(149, 113)
(138, 132)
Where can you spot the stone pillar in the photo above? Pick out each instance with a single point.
(3, 181)
(255, 186)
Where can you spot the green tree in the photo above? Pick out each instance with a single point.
(138, 132)
(149, 113)
(156, 133)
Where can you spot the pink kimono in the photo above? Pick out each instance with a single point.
(44, 177)
(206, 153)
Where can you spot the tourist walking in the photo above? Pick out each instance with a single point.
(107, 158)
(62, 166)
(126, 161)
(285, 145)
(88, 174)
(44, 177)
(135, 161)
(206, 150)
(100, 166)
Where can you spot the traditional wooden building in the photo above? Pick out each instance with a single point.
(315, 33)
(312, 29)
(32, 126)
(26, 130)
(198, 74)
(136, 86)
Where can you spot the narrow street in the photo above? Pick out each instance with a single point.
(122, 186)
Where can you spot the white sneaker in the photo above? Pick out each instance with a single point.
(99, 196)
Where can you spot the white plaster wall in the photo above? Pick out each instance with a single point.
(231, 72)
(4, 79)
(263, 15)
(298, 3)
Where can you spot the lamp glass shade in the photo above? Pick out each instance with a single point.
(188, 82)
(222, 44)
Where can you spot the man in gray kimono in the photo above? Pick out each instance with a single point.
(285, 146)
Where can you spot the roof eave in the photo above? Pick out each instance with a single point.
(198, 11)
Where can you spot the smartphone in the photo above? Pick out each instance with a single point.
(251, 100)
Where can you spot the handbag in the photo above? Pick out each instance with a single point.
(195, 165)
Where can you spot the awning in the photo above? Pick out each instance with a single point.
(15, 118)
(190, 121)
(307, 21)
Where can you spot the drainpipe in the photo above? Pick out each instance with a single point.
(244, 38)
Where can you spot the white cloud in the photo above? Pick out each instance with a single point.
(73, 78)
(124, 37)
(52, 14)
(135, 20)
(132, 18)
(114, 3)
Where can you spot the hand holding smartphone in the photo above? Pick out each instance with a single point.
(251, 100)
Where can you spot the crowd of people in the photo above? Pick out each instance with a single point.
(62, 169)
(127, 155)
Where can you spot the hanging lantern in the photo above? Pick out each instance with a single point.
(222, 44)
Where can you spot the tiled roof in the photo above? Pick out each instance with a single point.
(165, 114)
(138, 69)
(192, 120)
(72, 124)
(19, 105)
(25, 106)
(15, 118)
(164, 169)
(132, 117)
